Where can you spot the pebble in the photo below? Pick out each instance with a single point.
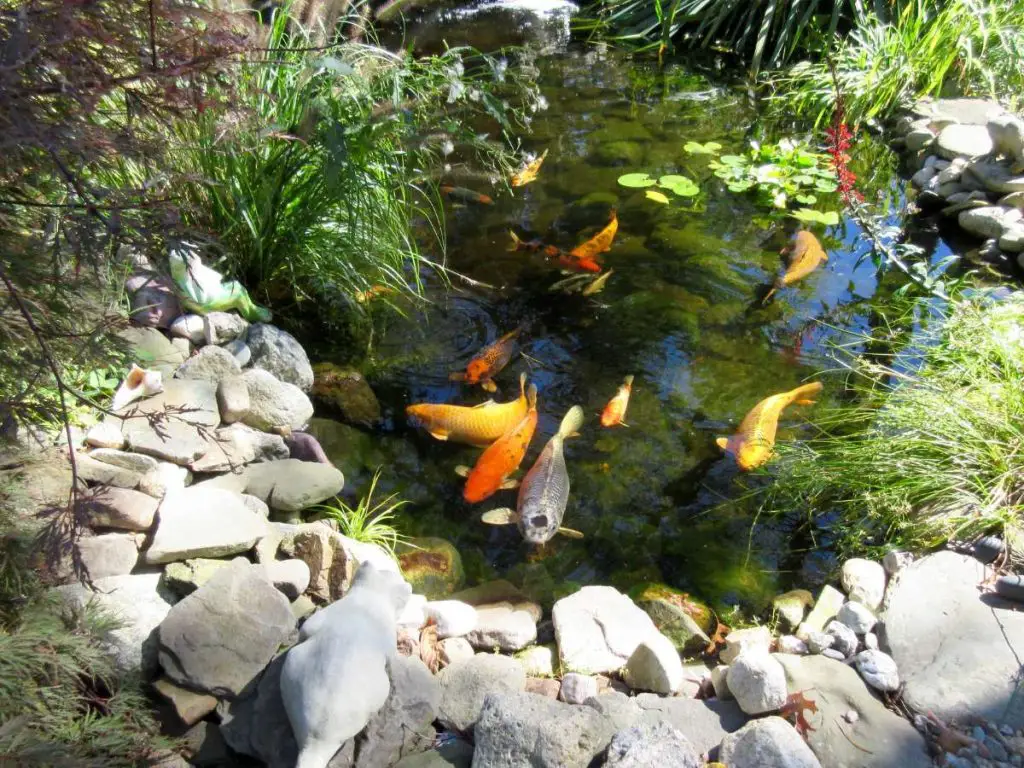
(832, 653)
(817, 642)
(844, 641)
(857, 617)
(987, 548)
(577, 688)
(878, 670)
(1011, 587)
(792, 644)
(852, 716)
(871, 641)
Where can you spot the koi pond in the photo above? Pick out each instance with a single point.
(682, 312)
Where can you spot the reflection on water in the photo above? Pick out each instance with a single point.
(681, 313)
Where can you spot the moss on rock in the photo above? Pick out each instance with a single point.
(432, 566)
(683, 620)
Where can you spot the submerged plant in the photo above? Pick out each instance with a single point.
(369, 522)
(932, 449)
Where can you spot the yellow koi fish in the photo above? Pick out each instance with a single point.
(477, 425)
(806, 254)
(753, 443)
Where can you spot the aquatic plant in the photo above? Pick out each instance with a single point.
(369, 522)
(930, 450)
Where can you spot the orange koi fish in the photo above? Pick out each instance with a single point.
(806, 254)
(565, 260)
(754, 441)
(528, 172)
(488, 363)
(599, 243)
(574, 264)
(501, 458)
(477, 425)
(615, 411)
(465, 195)
(533, 246)
(373, 292)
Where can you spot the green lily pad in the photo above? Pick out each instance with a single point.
(732, 160)
(740, 186)
(636, 180)
(823, 185)
(685, 188)
(672, 180)
(806, 199)
(696, 148)
(657, 197)
(828, 218)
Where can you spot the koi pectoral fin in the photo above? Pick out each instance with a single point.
(500, 516)
(722, 442)
(457, 376)
(489, 386)
(508, 484)
(438, 434)
(806, 402)
(571, 533)
(462, 470)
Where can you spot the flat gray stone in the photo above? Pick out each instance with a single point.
(101, 473)
(233, 399)
(152, 350)
(988, 221)
(836, 689)
(185, 577)
(188, 327)
(278, 351)
(211, 363)
(164, 478)
(995, 177)
(957, 651)
(704, 722)
(504, 626)
(274, 403)
(120, 508)
(219, 638)
(191, 707)
(134, 461)
(770, 742)
(222, 327)
(111, 554)
(465, 684)
(139, 605)
(960, 110)
(963, 141)
(105, 434)
(291, 485)
(203, 522)
(191, 401)
(650, 745)
(758, 683)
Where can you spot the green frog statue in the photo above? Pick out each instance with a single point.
(203, 290)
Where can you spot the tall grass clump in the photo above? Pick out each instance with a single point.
(973, 47)
(369, 522)
(321, 173)
(932, 449)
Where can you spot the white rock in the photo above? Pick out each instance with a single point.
(240, 351)
(136, 462)
(952, 172)
(233, 399)
(918, 139)
(654, 666)
(758, 682)
(744, 640)
(211, 363)
(105, 434)
(505, 626)
(452, 617)
(259, 508)
(988, 221)
(720, 682)
(222, 327)
(826, 607)
(1007, 133)
(844, 640)
(274, 403)
(203, 522)
(922, 177)
(1012, 239)
(792, 644)
(166, 477)
(413, 616)
(537, 661)
(577, 688)
(895, 561)
(878, 670)
(291, 577)
(597, 629)
(110, 554)
(818, 642)
(871, 641)
(454, 649)
(864, 581)
(188, 327)
(857, 617)
(963, 141)
(770, 742)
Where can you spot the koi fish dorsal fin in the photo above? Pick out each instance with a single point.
(722, 442)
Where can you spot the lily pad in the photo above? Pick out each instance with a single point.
(732, 160)
(656, 196)
(672, 180)
(806, 199)
(685, 188)
(809, 215)
(636, 180)
(696, 148)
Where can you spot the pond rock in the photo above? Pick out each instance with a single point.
(188, 327)
(111, 507)
(836, 690)
(770, 742)
(844, 640)
(166, 477)
(921, 179)
(704, 722)
(1011, 586)
(290, 485)
(504, 626)
(105, 434)
(155, 351)
(110, 554)
(189, 706)
(185, 577)
(274, 403)
(278, 351)
(240, 351)
(139, 605)
(918, 139)
(857, 617)
(791, 606)
(453, 618)
(619, 153)
(465, 683)
(1007, 133)
(878, 670)
(453, 649)
(829, 601)
(135, 462)
(203, 522)
(432, 565)
(758, 682)
(345, 391)
(104, 474)
(864, 581)
(211, 363)
(684, 621)
(304, 447)
(988, 221)
(995, 177)
(654, 666)
(222, 327)
(963, 141)
(219, 638)
(743, 641)
(1012, 239)
(792, 644)
(232, 399)
(651, 744)
(577, 688)
(290, 576)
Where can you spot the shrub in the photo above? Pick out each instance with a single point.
(372, 523)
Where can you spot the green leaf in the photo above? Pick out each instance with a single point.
(740, 186)
(657, 197)
(732, 160)
(804, 179)
(695, 148)
(671, 180)
(828, 218)
(685, 188)
(805, 160)
(806, 199)
(824, 186)
(636, 180)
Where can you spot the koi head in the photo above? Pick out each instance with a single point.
(538, 529)
(477, 370)
(748, 454)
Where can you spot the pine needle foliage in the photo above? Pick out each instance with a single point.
(932, 450)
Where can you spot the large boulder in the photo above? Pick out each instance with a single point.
(767, 743)
(203, 522)
(963, 141)
(650, 745)
(523, 730)
(955, 648)
(465, 684)
(222, 635)
(683, 620)
(836, 690)
(432, 565)
(598, 629)
(277, 351)
(138, 604)
(345, 391)
(291, 485)
(274, 403)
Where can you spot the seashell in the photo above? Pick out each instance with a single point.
(138, 383)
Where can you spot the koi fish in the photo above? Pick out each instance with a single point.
(806, 254)
(501, 458)
(597, 285)
(528, 172)
(533, 246)
(373, 292)
(544, 493)
(754, 441)
(477, 425)
(488, 363)
(465, 195)
(565, 259)
(615, 411)
(570, 262)
(599, 243)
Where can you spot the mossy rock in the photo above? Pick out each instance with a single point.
(620, 153)
(345, 391)
(184, 578)
(432, 566)
(683, 620)
(792, 606)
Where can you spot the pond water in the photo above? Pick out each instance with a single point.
(656, 501)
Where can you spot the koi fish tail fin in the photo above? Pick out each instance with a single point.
(802, 395)
(628, 381)
(571, 422)
(722, 442)
(531, 396)
(516, 242)
(522, 384)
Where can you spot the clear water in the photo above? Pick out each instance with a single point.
(656, 500)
